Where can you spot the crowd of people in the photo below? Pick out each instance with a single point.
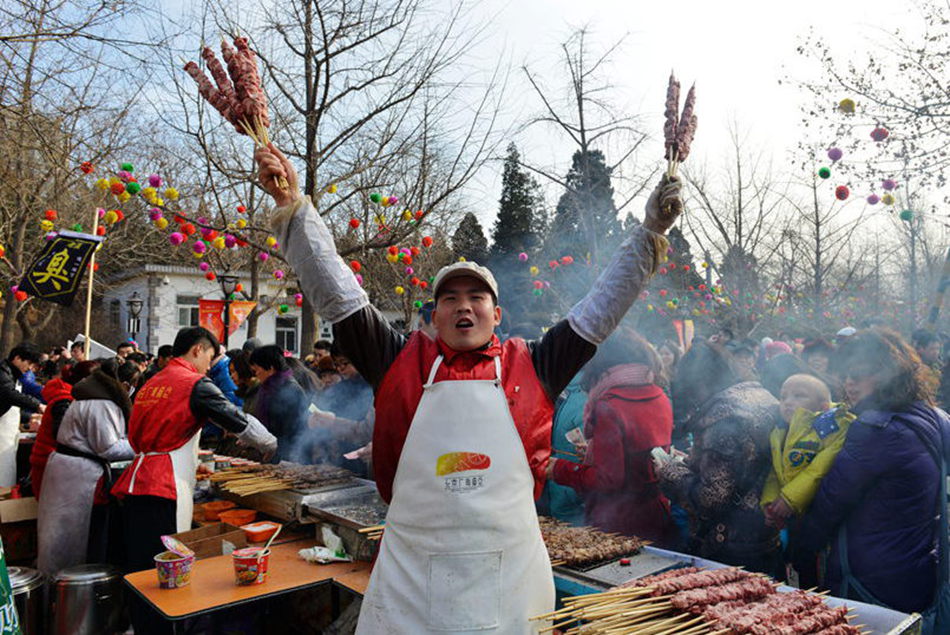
(816, 460)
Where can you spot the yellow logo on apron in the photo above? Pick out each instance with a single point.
(461, 462)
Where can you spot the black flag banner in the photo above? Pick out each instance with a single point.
(58, 271)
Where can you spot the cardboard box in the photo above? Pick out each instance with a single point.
(14, 510)
(216, 539)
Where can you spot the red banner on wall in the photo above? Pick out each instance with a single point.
(209, 315)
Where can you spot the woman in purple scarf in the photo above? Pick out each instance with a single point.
(281, 403)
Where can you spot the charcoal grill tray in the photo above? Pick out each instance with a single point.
(611, 573)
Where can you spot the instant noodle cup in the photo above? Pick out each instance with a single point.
(250, 566)
(174, 570)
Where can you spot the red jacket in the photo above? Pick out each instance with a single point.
(617, 480)
(161, 421)
(401, 389)
(55, 390)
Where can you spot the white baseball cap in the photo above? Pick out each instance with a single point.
(464, 269)
(847, 331)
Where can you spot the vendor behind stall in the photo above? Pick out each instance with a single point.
(166, 420)
(463, 421)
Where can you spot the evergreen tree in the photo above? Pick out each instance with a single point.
(586, 214)
(469, 240)
(514, 225)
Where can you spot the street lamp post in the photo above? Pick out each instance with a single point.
(228, 287)
(134, 304)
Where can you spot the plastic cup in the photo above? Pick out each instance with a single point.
(250, 565)
(174, 571)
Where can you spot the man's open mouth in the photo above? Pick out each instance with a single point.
(464, 323)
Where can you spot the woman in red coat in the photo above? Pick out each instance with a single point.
(626, 416)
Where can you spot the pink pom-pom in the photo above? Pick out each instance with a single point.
(230, 241)
(873, 199)
(199, 247)
(889, 184)
(410, 271)
(101, 212)
(298, 297)
(393, 200)
(263, 256)
(523, 257)
(154, 180)
(176, 238)
(154, 213)
(204, 266)
(279, 274)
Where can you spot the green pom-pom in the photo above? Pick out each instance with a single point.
(537, 292)
(824, 173)
(906, 215)
(77, 227)
(128, 167)
(132, 187)
(283, 308)
(375, 197)
(417, 304)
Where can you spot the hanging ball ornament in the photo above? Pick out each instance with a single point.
(842, 192)
(133, 188)
(835, 154)
(889, 184)
(824, 172)
(204, 266)
(523, 257)
(534, 270)
(176, 238)
(375, 197)
(846, 106)
(427, 241)
(331, 189)
(906, 215)
(399, 290)
(873, 199)
(86, 167)
(263, 256)
(154, 180)
(888, 199)
(354, 223)
(278, 274)
(880, 133)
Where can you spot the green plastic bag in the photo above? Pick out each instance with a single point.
(9, 620)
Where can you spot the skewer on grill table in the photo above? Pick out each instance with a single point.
(373, 529)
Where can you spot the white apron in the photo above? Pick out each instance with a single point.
(462, 551)
(184, 466)
(9, 441)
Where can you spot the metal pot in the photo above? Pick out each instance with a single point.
(29, 591)
(87, 600)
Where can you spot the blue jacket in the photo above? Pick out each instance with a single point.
(883, 489)
(221, 376)
(31, 386)
(560, 501)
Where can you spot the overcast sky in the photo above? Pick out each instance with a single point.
(735, 50)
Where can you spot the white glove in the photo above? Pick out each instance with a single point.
(257, 436)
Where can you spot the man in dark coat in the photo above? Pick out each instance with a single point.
(20, 360)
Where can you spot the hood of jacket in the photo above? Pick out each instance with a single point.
(98, 385)
(56, 389)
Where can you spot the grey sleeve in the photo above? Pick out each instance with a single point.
(558, 355)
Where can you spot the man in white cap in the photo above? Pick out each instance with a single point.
(463, 421)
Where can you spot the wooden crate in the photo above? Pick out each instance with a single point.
(209, 541)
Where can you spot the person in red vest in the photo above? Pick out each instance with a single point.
(463, 421)
(167, 417)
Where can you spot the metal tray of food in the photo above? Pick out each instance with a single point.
(611, 573)
(355, 507)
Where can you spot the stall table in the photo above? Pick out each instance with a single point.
(212, 585)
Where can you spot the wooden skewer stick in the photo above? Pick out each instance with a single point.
(374, 528)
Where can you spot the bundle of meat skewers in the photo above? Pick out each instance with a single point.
(237, 93)
(678, 128)
(256, 479)
(691, 601)
(578, 546)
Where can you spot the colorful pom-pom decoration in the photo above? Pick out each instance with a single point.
(824, 172)
(278, 274)
(906, 215)
(523, 257)
(133, 188)
(283, 308)
(270, 242)
(103, 184)
(263, 256)
(889, 184)
(880, 133)
(230, 241)
(846, 106)
(427, 241)
(77, 227)
(3, 251)
(399, 290)
(199, 247)
(298, 299)
(154, 180)
(210, 276)
(842, 192)
(218, 243)
(407, 215)
(111, 217)
(171, 194)
(331, 189)
(117, 188)
(376, 198)
(873, 199)
(241, 209)
(888, 199)
(86, 167)
(354, 223)
(534, 270)
(50, 214)
(127, 167)
(20, 296)
(393, 200)
(204, 266)
(100, 231)
(835, 154)
(241, 223)
(46, 225)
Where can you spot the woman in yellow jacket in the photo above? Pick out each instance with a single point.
(803, 451)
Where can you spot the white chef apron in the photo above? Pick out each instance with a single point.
(9, 441)
(462, 551)
(184, 466)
